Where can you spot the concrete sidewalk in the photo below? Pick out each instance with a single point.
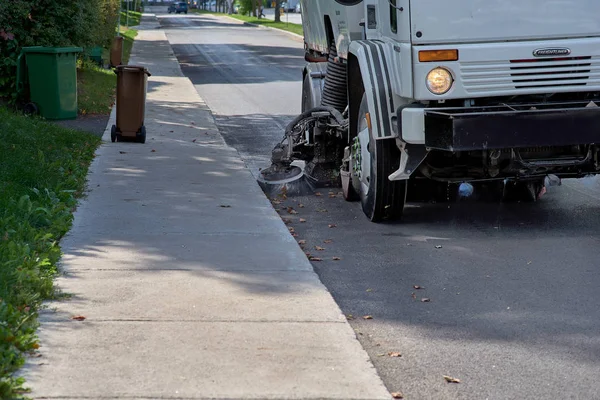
(190, 284)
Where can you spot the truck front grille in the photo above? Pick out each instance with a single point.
(530, 75)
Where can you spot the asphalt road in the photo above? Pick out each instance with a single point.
(514, 289)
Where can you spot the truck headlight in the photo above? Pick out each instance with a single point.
(439, 80)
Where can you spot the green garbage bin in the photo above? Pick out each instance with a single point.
(95, 54)
(52, 73)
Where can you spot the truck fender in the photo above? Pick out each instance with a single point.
(312, 84)
(367, 59)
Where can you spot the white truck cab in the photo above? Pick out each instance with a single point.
(449, 91)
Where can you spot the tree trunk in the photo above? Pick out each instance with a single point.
(277, 10)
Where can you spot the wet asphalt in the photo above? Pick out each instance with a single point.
(503, 297)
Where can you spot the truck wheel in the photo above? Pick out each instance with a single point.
(374, 160)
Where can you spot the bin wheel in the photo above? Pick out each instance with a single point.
(142, 135)
(113, 134)
(31, 109)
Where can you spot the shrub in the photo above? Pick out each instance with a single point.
(82, 23)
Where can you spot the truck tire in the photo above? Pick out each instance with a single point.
(381, 199)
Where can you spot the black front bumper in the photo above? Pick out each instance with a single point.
(512, 126)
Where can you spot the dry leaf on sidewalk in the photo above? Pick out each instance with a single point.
(302, 220)
(225, 206)
(317, 194)
(397, 395)
(78, 318)
(327, 241)
(301, 205)
(367, 317)
(301, 242)
(450, 379)
(417, 287)
(319, 248)
(349, 317)
(290, 210)
(315, 259)
(394, 354)
(425, 300)
(332, 225)
(336, 258)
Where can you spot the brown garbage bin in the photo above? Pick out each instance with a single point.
(116, 51)
(132, 82)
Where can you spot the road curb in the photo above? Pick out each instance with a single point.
(292, 34)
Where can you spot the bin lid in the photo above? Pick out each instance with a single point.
(52, 50)
(137, 68)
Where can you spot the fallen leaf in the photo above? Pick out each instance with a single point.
(122, 152)
(397, 395)
(438, 246)
(294, 235)
(381, 355)
(418, 287)
(78, 318)
(290, 210)
(319, 248)
(225, 206)
(194, 141)
(301, 241)
(292, 230)
(336, 258)
(301, 205)
(331, 194)
(327, 241)
(317, 194)
(450, 379)
(394, 354)
(413, 295)
(286, 220)
(367, 317)
(349, 317)
(369, 290)
(171, 131)
(152, 151)
(315, 259)
(302, 220)
(332, 225)
(425, 300)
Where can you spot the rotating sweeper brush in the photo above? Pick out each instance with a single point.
(296, 160)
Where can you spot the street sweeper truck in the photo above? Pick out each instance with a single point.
(404, 97)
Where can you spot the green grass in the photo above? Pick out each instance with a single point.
(43, 170)
(96, 89)
(294, 28)
(97, 86)
(134, 18)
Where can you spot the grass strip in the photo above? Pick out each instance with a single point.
(285, 26)
(43, 169)
(96, 86)
(134, 18)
